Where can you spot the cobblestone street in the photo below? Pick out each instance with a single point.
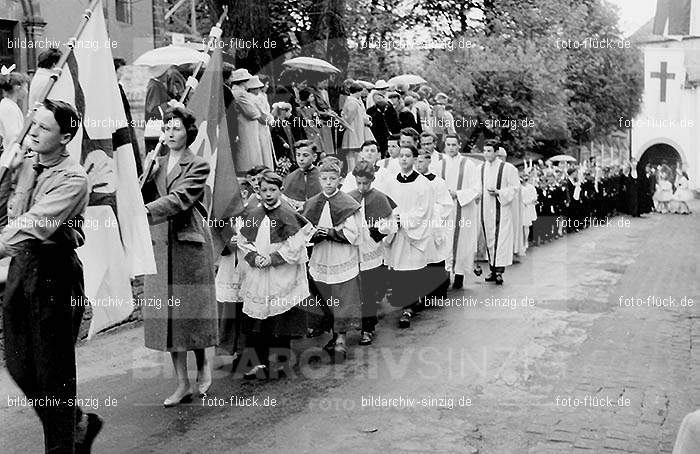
(576, 353)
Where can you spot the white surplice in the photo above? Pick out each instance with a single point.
(439, 248)
(332, 262)
(381, 179)
(408, 247)
(497, 213)
(390, 164)
(464, 228)
(372, 253)
(273, 290)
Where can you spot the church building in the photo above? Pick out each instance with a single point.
(667, 129)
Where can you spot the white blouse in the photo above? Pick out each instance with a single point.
(11, 121)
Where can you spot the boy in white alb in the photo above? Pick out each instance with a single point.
(407, 254)
(436, 277)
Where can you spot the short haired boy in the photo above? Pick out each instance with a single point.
(303, 183)
(334, 264)
(377, 209)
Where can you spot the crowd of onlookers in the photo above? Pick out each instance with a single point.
(570, 197)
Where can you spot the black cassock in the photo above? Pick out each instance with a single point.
(630, 197)
(646, 193)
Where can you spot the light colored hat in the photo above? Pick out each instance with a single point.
(441, 98)
(240, 75)
(392, 94)
(381, 85)
(282, 105)
(501, 152)
(253, 82)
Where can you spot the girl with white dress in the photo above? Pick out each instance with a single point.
(683, 194)
(528, 199)
(664, 193)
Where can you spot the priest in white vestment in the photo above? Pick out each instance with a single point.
(462, 177)
(516, 207)
(500, 185)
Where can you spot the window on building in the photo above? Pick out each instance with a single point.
(7, 46)
(124, 11)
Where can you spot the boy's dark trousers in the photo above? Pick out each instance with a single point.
(437, 280)
(42, 311)
(408, 289)
(373, 286)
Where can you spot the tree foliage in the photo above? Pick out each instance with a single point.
(516, 70)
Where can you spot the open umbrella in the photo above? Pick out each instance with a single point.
(406, 79)
(171, 55)
(311, 64)
(562, 158)
(364, 83)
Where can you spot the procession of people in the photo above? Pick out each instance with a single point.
(353, 208)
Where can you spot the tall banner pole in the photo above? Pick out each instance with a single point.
(9, 155)
(214, 36)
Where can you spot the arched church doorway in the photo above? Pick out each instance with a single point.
(659, 154)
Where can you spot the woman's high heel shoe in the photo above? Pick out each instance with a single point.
(259, 371)
(203, 387)
(173, 401)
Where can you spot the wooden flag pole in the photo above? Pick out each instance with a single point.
(214, 36)
(9, 155)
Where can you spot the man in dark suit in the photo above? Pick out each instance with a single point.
(574, 204)
(379, 112)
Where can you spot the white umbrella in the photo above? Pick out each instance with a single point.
(406, 79)
(364, 83)
(311, 64)
(562, 157)
(171, 55)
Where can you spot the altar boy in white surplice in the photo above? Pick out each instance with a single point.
(407, 256)
(500, 185)
(335, 261)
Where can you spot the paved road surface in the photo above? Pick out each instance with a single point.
(585, 365)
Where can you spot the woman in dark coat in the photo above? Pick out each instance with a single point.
(182, 314)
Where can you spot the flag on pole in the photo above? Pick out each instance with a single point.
(118, 241)
(212, 143)
(673, 17)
